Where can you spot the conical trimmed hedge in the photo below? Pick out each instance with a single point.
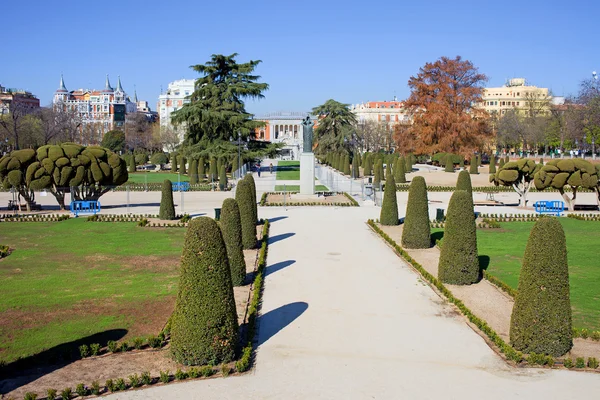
(409, 162)
(131, 164)
(459, 260)
(201, 168)
(464, 182)
(204, 326)
(492, 168)
(399, 170)
(182, 165)
(377, 174)
(193, 172)
(245, 200)
(222, 179)
(368, 165)
(356, 166)
(167, 208)
(449, 166)
(231, 226)
(250, 179)
(174, 157)
(541, 317)
(473, 170)
(389, 208)
(214, 172)
(346, 165)
(416, 233)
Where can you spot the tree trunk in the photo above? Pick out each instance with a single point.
(59, 195)
(570, 202)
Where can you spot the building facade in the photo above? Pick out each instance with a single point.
(172, 100)
(517, 95)
(284, 127)
(99, 111)
(390, 112)
(11, 98)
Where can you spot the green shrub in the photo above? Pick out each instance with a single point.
(222, 179)
(131, 164)
(459, 261)
(580, 362)
(389, 208)
(180, 375)
(592, 363)
(225, 370)
(159, 158)
(206, 371)
(135, 381)
(243, 364)
(250, 179)
(201, 168)
(124, 347)
(174, 159)
(346, 169)
(473, 170)
(388, 170)
(377, 173)
(368, 165)
(243, 196)
(120, 384)
(143, 222)
(167, 208)
(193, 172)
(541, 316)
(81, 390)
(51, 394)
(30, 396)
(95, 349)
(193, 372)
(146, 378)
(204, 324)
(492, 169)
(399, 170)
(410, 160)
(165, 376)
(568, 362)
(355, 166)
(110, 385)
(138, 343)
(66, 393)
(449, 163)
(416, 233)
(112, 346)
(464, 182)
(231, 227)
(84, 350)
(182, 166)
(213, 171)
(154, 342)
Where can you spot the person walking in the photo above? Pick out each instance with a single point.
(271, 168)
(258, 169)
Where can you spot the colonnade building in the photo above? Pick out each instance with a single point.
(284, 127)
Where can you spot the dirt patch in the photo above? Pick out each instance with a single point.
(120, 365)
(298, 199)
(484, 299)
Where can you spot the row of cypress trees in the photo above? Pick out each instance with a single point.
(204, 327)
(541, 320)
(370, 163)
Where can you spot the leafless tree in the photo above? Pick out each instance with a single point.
(375, 136)
(14, 123)
(138, 131)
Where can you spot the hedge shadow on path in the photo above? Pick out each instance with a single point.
(275, 320)
(27, 369)
(271, 269)
(277, 238)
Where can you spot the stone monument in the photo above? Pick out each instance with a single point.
(307, 159)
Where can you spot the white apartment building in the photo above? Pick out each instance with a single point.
(172, 100)
(516, 94)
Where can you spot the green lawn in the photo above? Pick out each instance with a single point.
(288, 170)
(505, 248)
(68, 280)
(155, 177)
(296, 188)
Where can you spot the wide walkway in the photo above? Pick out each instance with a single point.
(344, 318)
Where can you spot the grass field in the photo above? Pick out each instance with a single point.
(155, 177)
(505, 248)
(288, 170)
(296, 188)
(68, 280)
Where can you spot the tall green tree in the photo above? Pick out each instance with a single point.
(216, 107)
(114, 140)
(335, 122)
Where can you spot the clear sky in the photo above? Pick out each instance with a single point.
(351, 51)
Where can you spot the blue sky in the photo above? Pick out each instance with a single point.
(311, 50)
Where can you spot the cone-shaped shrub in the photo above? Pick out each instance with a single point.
(380, 166)
(388, 169)
(368, 166)
(492, 169)
(473, 167)
(541, 161)
(346, 164)
(182, 166)
(449, 163)
(235, 165)
(389, 208)
(377, 174)
(355, 166)
(501, 163)
(409, 162)
(214, 173)
(459, 261)
(222, 179)
(461, 164)
(231, 226)
(219, 163)
(193, 173)
(174, 166)
(399, 173)
(541, 316)
(167, 209)
(250, 179)
(245, 200)
(204, 326)
(464, 182)
(201, 168)
(416, 233)
(132, 163)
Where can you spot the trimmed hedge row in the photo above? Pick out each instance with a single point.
(263, 201)
(34, 217)
(486, 189)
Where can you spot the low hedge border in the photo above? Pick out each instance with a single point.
(243, 364)
(34, 217)
(503, 348)
(263, 201)
(485, 189)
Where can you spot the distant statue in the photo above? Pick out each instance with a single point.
(307, 135)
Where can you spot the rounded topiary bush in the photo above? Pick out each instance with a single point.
(167, 208)
(243, 196)
(389, 208)
(459, 261)
(464, 182)
(204, 326)
(416, 233)
(231, 227)
(541, 316)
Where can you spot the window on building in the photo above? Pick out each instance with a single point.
(518, 94)
(517, 103)
(187, 92)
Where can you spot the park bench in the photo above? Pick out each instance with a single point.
(553, 207)
(181, 186)
(85, 207)
(325, 194)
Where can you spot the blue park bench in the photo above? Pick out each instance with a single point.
(85, 207)
(181, 186)
(552, 207)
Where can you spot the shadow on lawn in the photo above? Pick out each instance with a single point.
(28, 369)
(275, 320)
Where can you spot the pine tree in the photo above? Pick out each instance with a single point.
(416, 233)
(459, 260)
(541, 317)
(231, 226)
(167, 208)
(204, 326)
(389, 208)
